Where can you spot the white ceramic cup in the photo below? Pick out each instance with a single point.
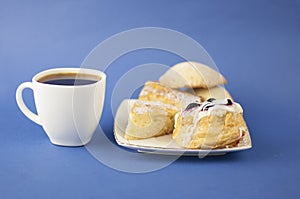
(68, 114)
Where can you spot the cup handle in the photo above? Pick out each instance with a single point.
(19, 98)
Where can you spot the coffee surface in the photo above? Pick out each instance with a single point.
(69, 79)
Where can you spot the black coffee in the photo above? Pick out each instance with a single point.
(70, 82)
(69, 79)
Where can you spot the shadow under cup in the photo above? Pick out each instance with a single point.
(69, 103)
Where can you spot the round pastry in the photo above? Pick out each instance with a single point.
(191, 75)
(211, 124)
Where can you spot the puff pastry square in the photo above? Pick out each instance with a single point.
(209, 125)
(149, 119)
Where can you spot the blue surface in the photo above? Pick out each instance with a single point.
(256, 45)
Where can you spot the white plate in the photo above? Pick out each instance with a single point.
(164, 144)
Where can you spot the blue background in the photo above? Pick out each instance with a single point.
(256, 45)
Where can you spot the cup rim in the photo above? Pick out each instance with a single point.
(98, 73)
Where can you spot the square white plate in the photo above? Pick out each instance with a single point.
(164, 144)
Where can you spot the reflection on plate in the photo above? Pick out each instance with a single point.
(165, 144)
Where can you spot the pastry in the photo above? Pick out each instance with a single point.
(217, 92)
(211, 124)
(149, 119)
(191, 75)
(153, 91)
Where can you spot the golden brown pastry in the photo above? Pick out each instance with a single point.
(154, 91)
(211, 124)
(149, 119)
(191, 75)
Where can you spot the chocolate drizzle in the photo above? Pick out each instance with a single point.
(229, 102)
(191, 106)
(211, 102)
(211, 99)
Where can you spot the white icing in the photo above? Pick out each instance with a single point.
(175, 119)
(242, 129)
(191, 129)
